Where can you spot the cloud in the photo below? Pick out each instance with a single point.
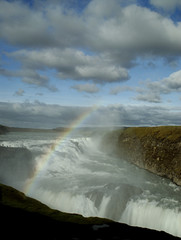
(153, 90)
(103, 26)
(22, 25)
(20, 92)
(118, 89)
(166, 4)
(135, 31)
(34, 78)
(99, 43)
(72, 64)
(39, 115)
(29, 76)
(147, 96)
(171, 83)
(39, 94)
(88, 88)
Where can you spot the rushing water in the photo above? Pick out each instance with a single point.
(78, 178)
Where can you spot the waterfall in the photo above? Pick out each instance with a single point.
(79, 178)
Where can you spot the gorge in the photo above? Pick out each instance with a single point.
(96, 177)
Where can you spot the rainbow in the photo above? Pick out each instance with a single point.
(47, 156)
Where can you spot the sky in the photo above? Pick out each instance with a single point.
(119, 60)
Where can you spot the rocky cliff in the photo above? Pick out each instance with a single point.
(26, 218)
(157, 149)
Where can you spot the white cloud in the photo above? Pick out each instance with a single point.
(30, 76)
(23, 26)
(20, 92)
(153, 91)
(173, 82)
(103, 27)
(72, 64)
(99, 43)
(118, 89)
(168, 5)
(135, 31)
(148, 96)
(41, 115)
(102, 9)
(88, 88)
(38, 115)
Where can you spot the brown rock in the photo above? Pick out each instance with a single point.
(157, 149)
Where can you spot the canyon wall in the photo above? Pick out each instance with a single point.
(156, 149)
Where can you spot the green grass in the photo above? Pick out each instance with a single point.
(170, 133)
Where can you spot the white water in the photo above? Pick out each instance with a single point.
(79, 178)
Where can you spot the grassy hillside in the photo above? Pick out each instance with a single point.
(165, 133)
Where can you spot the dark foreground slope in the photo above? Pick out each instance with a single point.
(25, 218)
(157, 149)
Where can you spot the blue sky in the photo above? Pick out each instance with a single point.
(120, 55)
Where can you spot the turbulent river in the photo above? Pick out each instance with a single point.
(77, 177)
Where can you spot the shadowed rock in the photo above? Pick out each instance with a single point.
(26, 218)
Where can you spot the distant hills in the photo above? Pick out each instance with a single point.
(86, 131)
(3, 129)
(6, 129)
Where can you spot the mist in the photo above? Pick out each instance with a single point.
(75, 175)
(16, 165)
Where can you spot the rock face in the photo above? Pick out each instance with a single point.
(26, 218)
(157, 149)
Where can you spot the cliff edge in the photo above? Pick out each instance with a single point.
(157, 149)
(26, 218)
